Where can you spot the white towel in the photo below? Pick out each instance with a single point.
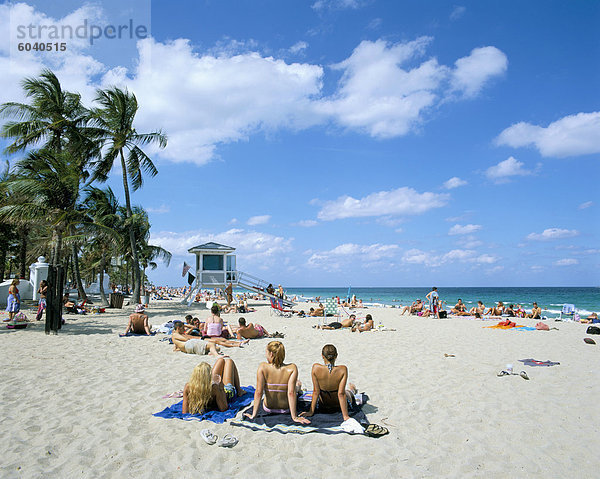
(352, 426)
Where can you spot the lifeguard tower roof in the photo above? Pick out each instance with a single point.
(211, 247)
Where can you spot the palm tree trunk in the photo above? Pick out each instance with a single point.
(58, 251)
(80, 290)
(23, 252)
(3, 250)
(101, 278)
(136, 264)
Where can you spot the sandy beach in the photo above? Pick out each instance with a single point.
(80, 404)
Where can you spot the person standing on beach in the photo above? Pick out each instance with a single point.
(433, 297)
(13, 301)
(229, 294)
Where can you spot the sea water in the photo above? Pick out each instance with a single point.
(551, 300)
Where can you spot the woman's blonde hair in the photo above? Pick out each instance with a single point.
(200, 388)
(15, 282)
(277, 349)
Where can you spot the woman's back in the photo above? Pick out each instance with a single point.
(276, 384)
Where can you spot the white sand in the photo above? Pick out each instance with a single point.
(80, 404)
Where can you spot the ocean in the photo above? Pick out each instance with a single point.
(586, 300)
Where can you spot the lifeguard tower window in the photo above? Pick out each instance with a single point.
(230, 263)
(212, 262)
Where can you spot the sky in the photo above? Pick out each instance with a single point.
(352, 142)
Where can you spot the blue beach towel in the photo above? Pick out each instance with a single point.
(524, 328)
(218, 417)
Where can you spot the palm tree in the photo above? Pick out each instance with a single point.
(103, 208)
(114, 123)
(53, 116)
(47, 187)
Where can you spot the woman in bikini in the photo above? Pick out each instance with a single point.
(214, 326)
(13, 301)
(211, 389)
(278, 383)
(329, 385)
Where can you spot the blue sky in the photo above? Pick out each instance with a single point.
(372, 143)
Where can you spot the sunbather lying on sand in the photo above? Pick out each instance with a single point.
(211, 389)
(138, 321)
(346, 323)
(590, 319)
(318, 311)
(279, 383)
(366, 326)
(191, 345)
(329, 385)
(250, 331)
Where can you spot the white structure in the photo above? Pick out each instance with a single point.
(215, 265)
(38, 272)
(216, 268)
(94, 288)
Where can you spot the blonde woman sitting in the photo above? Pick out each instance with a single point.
(329, 385)
(211, 389)
(278, 382)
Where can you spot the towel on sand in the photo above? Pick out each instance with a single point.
(122, 335)
(535, 362)
(282, 423)
(219, 417)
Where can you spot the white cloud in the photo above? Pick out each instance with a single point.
(402, 201)
(258, 220)
(473, 72)
(376, 95)
(552, 234)
(251, 245)
(585, 205)
(566, 262)
(352, 253)
(432, 259)
(204, 99)
(463, 229)
(233, 221)
(320, 5)
(457, 12)
(160, 210)
(469, 241)
(298, 47)
(454, 182)
(570, 136)
(307, 223)
(505, 169)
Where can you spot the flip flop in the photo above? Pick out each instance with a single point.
(523, 374)
(209, 437)
(374, 430)
(227, 441)
(503, 373)
(589, 341)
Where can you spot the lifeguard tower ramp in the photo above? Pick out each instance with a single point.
(216, 268)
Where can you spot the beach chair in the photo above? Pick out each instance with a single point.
(278, 309)
(331, 308)
(568, 312)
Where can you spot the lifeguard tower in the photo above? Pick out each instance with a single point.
(216, 268)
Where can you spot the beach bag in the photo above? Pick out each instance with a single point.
(593, 330)
(443, 314)
(20, 317)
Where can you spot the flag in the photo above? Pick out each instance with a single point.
(186, 268)
(191, 278)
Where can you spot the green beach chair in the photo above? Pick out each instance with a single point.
(331, 308)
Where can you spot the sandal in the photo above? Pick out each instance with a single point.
(373, 430)
(503, 373)
(523, 374)
(209, 437)
(228, 441)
